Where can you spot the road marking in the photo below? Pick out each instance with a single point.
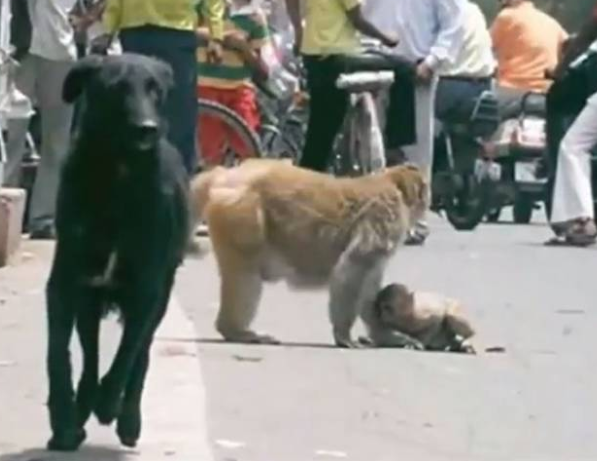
(174, 404)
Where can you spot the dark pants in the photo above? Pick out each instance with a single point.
(456, 98)
(401, 125)
(327, 109)
(177, 48)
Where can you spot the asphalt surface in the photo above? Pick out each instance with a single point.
(307, 401)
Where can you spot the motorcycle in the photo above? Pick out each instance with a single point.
(519, 148)
(464, 174)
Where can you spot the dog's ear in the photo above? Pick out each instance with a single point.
(78, 76)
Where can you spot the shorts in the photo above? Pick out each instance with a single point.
(213, 134)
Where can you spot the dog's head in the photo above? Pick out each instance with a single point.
(123, 96)
(414, 188)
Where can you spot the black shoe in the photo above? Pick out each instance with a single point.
(45, 232)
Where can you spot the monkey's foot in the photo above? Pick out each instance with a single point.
(250, 337)
(67, 440)
(349, 343)
(414, 345)
(366, 342)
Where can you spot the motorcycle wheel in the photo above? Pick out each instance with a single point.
(467, 206)
(494, 215)
(523, 209)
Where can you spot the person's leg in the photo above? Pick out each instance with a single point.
(177, 48)
(25, 81)
(56, 119)
(509, 100)
(327, 110)
(455, 99)
(573, 194)
(421, 153)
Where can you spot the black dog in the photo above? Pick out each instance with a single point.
(122, 229)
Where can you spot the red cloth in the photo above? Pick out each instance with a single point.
(214, 134)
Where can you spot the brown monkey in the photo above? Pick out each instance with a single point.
(270, 221)
(437, 322)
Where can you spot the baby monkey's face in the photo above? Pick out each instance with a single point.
(393, 302)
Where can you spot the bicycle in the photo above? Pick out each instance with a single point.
(284, 117)
(359, 148)
(234, 123)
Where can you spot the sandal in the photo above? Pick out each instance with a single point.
(580, 232)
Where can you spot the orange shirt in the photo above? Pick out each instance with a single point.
(527, 42)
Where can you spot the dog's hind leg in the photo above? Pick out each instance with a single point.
(66, 435)
(88, 326)
(130, 419)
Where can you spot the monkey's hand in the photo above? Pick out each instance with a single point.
(383, 337)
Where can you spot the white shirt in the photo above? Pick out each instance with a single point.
(427, 29)
(52, 36)
(475, 56)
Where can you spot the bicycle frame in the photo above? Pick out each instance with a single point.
(361, 147)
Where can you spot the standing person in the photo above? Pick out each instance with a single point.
(331, 29)
(43, 68)
(573, 212)
(165, 29)
(471, 73)
(430, 34)
(229, 82)
(527, 43)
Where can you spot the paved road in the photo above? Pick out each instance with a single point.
(307, 401)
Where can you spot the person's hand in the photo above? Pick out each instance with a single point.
(202, 34)
(101, 44)
(214, 51)
(236, 42)
(424, 72)
(390, 42)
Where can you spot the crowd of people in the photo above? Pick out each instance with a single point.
(215, 48)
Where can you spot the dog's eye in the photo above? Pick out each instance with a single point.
(153, 90)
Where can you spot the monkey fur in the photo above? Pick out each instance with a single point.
(271, 221)
(437, 322)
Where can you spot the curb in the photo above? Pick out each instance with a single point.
(12, 209)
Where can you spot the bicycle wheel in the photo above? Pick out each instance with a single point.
(233, 121)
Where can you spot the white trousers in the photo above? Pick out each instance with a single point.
(573, 197)
(421, 153)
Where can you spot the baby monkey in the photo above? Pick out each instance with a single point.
(435, 321)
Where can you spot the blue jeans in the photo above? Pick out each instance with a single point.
(177, 48)
(456, 98)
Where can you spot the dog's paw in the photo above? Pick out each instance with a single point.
(128, 428)
(67, 440)
(108, 406)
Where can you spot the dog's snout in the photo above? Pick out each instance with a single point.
(147, 126)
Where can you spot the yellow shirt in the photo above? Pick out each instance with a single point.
(527, 42)
(328, 29)
(174, 14)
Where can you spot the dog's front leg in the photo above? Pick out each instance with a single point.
(129, 420)
(66, 436)
(139, 312)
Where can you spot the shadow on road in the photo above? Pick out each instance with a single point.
(221, 342)
(85, 453)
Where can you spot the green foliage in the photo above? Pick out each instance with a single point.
(571, 13)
